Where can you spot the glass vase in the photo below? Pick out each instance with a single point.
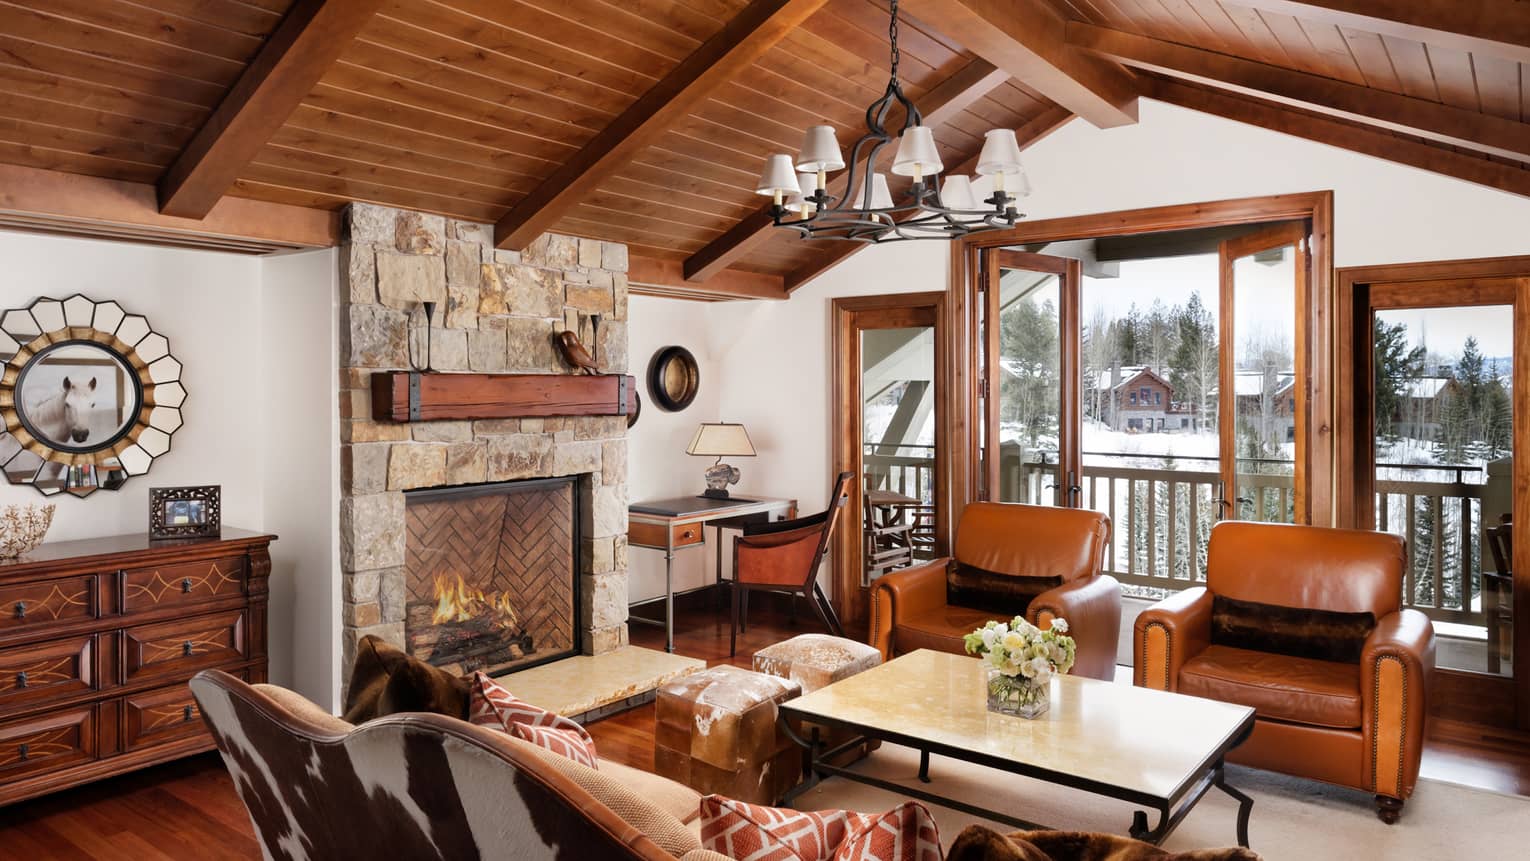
(1017, 695)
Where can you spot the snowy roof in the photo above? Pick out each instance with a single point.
(1426, 388)
(1128, 372)
(1250, 384)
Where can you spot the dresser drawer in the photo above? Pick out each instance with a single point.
(47, 671)
(47, 602)
(177, 585)
(184, 646)
(47, 743)
(161, 715)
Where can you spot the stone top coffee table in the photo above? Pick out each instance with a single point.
(1160, 750)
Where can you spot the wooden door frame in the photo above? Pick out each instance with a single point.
(1315, 208)
(849, 316)
(1231, 250)
(1069, 272)
(1497, 280)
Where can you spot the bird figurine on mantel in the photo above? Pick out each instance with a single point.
(573, 350)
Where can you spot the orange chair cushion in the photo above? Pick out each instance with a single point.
(1277, 687)
(941, 629)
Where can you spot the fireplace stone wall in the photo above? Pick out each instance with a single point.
(497, 311)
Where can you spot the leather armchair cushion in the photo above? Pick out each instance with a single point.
(1277, 687)
(941, 629)
(1299, 632)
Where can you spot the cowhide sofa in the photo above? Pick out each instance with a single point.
(425, 786)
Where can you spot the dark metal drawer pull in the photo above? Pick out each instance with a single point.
(187, 712)
(21, 679)
(186, 586)
(24, 751)
(187, 648)
(21, 609)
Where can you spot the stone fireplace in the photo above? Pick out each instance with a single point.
(491, 574)
(496, 312)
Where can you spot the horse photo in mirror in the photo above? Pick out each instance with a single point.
(77, 396)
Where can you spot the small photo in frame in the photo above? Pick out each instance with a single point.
(185, 512)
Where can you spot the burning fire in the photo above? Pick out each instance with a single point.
(456, 601)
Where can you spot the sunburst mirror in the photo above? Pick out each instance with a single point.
(90, 395)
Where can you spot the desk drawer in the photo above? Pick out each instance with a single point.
(184, 646)
(47, 671)
(641, 534)
(47, 743)
(148, 589)
(48, 602)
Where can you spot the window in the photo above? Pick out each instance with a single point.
(1134, 398)
(1158, 397)
(1145, 394)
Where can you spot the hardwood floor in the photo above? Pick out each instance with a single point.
(189, 809)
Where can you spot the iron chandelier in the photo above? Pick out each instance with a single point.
(929, 211)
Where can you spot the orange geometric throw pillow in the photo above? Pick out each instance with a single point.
(750, 831)
(489, 704)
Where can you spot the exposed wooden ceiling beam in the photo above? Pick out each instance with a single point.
(744, 39)
(1497, 27)
(1439, 122)
(1344, 135)
(1026, 39)
(651, 276)
(68, 203)
(298, 53)
(938, 106)
(838, 252)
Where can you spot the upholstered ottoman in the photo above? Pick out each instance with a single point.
(815, 661)
(716, 732)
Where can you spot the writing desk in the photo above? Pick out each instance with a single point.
(680, 522)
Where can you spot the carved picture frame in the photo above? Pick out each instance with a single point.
(185, 512)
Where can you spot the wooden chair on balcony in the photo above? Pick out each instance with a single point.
(784, 557)
(887, 533)
(1498, 592)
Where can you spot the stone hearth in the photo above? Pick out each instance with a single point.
(497, 311)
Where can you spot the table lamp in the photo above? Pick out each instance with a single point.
(722, 439)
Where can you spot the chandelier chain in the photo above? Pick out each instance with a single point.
(892, 39)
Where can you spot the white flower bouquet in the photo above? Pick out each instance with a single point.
(1021, 660)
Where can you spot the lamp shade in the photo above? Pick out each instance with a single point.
(1000, 155)
(721, 439)
(1022, 184)
(917, 155)
(956, 193)
(881, 198)
(808, 184)
(779, 177)
(820, 150)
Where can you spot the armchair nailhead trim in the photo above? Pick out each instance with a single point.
(1402, 736)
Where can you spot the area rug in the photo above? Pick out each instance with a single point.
(1292, 819)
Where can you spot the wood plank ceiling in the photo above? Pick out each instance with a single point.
(467, 107)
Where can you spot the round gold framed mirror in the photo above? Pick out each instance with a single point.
(90, 395)
(673, 378)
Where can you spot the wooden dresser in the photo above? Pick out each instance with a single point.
(98, 639)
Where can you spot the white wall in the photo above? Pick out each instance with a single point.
(657, 465)
(256, 339)
(208, 305)
(299, 424)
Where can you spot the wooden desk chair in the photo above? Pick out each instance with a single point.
(887, 537)
(784, 557)
(1498, 592)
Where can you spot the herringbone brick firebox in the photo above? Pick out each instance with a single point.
(492, 577)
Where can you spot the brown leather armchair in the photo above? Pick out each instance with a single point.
(1305, 625)
(1011, 560)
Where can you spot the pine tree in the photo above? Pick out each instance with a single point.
(1396, 365)
(1470, 375)
(1029, 385)
(1193, 370)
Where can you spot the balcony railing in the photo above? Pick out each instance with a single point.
(1163, 518)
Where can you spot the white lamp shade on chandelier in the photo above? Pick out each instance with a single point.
(820, 151)
(956, 193)
(1000, 155)
(917, 156)
(779, 179)
(881, 197)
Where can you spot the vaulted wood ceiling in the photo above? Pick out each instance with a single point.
(647, 121)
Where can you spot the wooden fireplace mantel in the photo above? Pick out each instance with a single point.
(411, 396)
